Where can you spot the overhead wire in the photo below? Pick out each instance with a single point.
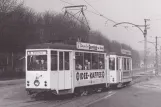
(92, 7)
(108, 19)
(100, 13)
(96, 13)
(66, 2)
(92, 12)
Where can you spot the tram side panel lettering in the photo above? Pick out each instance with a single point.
(85, 77)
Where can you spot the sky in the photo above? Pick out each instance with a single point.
(134, 11)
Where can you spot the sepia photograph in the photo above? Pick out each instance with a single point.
(80, 53)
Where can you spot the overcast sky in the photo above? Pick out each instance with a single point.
(134, 11)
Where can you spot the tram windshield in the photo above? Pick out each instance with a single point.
(37, 62)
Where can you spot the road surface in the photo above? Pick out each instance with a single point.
(16, 96)
(139, 95)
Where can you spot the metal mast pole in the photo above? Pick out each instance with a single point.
(145, 43)
(156, 55)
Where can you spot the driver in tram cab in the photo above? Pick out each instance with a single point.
(43, 65)
(37, 64)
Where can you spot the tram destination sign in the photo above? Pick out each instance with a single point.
(37, 52)
(88, 46)
(126, 52)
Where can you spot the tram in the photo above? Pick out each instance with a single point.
(64, 69)
(120, 68)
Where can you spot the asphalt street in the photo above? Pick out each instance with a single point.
(143, 94)
(138, 95)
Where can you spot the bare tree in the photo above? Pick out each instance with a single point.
(9, 5)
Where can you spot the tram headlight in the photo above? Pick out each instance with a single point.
(36, 83)
(28, 83)
(45, 83)
(113, 79)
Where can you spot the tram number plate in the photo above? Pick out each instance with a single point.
(89, 75)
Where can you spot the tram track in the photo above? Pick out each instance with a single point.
(33, 103)
(60, 103)
(52, 103)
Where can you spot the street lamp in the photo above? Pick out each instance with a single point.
(144, 32)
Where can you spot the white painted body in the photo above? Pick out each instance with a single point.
(65, 81)
(42, 77)
(87, 77)
(119, 75)
(56, 80)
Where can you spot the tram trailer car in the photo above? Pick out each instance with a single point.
(64, 69)
(120, 68)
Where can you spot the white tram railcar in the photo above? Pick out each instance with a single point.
(64, 69)
(120, 68)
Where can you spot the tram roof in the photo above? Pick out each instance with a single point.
(51, 46)
(119, 54)
(56, 46)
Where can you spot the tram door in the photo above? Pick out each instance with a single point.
(119, 69)
(112, 67)
(64, 72)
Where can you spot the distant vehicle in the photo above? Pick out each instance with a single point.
(64, 69)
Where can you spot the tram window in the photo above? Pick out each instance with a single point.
(122, 63)
(101, 61)
(37, 62)
(87, 61)
(54, 60)
(94, 61)
(128, 65)
(66, 55)
(112, 63)
(79, 61)
(61, 64)
(125, 67)
(117, 64)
